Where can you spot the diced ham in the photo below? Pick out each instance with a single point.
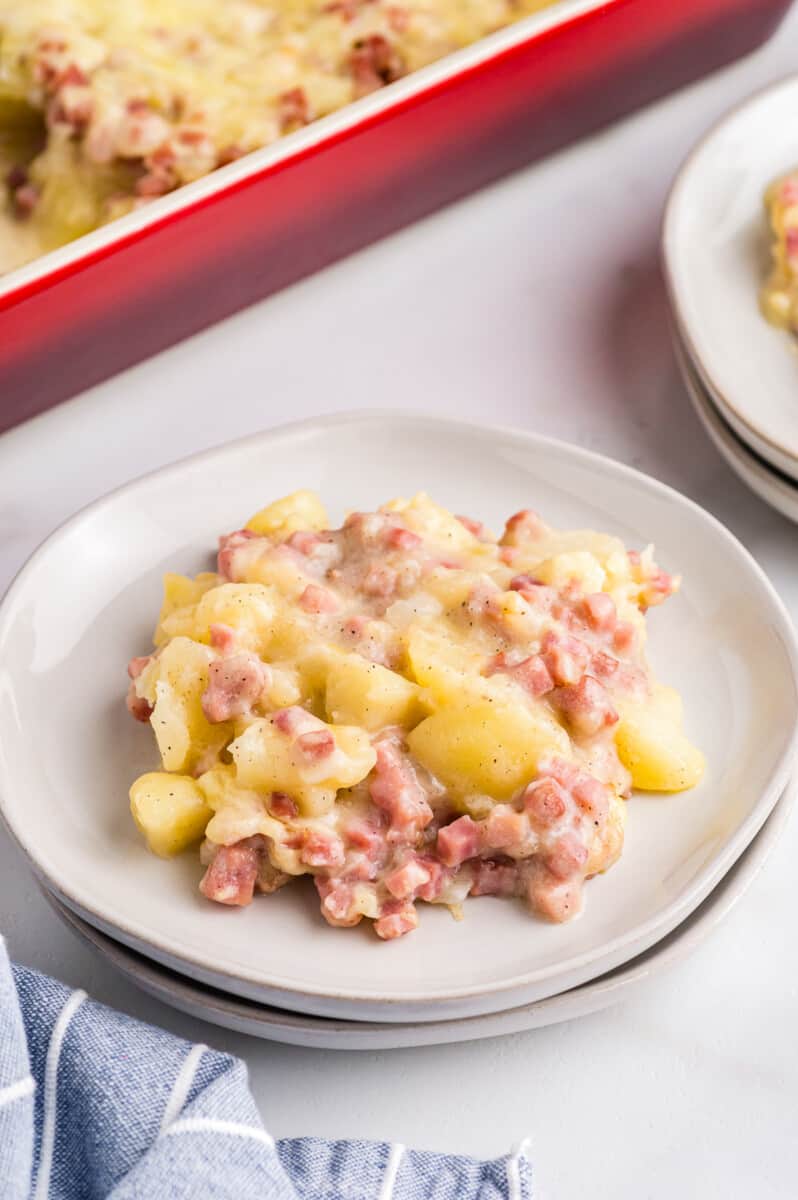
(379, 580)
(367, 529)
(505, 828)
(374, 61)
(293, 109)
(788, 192)
(395, 789)
(405, 881)
(546, 801)
(141, 131)
(624, 637)
(138, 664)
(567, 856)
(222, 637)
(587, 707)
(315, 745)
(474, 527)
(137, 706)
(321, 848)
(524, 583)
(366, 836)
(337, 902)
(494, 879)
(54, 62)
(459, 841)
(557, 900)
(71, 107)
(599, 608)
(398, 918)
(593, 797)
(230, 878)
(304, 541)
(283, 807)
(355, 627)
(566, 773)
(318, 600)
(523, 526)
(481, 598)
(234, 684)
(15, 177)
(439, 876)
(347, 9)
(360, 868)
(659, 585)
(531, 673)
(295, 720)
(565, 656)
(154, 183)
(25, 198)
(397, 538)
(229, 544)
(603, 665)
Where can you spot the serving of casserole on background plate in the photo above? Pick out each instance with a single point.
(724, 642)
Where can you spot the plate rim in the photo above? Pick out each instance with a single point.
(668, 252)
(614, 951)
(763, 478)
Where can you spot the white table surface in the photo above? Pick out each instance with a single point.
(537, 303)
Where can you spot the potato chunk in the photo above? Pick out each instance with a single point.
(268, 759)
(579, 566)
(174, 683)
(170, 810)
(653, 747)
(443, 665)
(432, 521)
(300, 510)
(181, 595)
(364, 693)
(479, 746)
(248, 608)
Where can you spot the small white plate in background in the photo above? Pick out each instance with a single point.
(715, 251)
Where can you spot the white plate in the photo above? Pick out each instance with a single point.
(322, 1033)
(85, 603)
(770, 485)
(715, 247)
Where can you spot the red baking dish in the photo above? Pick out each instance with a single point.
(76, 315)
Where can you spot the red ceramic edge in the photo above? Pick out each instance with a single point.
(142, 291)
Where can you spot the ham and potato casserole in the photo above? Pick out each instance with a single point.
(105, 104)
(779, 296)
(405, 709)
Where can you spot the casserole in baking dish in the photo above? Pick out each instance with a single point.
(76, 314)
(107, 104)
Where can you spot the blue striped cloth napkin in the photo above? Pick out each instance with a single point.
(97, 1106)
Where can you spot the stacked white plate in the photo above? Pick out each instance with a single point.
(83, 605)
(741, 373)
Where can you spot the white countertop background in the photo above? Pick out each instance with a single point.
(538, 303)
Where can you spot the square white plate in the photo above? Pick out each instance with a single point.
(68, 751)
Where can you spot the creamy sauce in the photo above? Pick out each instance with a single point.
(406, 709)
(130, 99)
